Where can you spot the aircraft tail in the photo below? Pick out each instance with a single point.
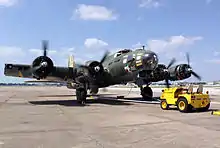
(71, 62)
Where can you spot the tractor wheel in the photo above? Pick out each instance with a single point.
(164, 105)
(182, 105)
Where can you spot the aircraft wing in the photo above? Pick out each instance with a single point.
(25, 71)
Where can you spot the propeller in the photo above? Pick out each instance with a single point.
(96, 68)
(189, 69)
(169, 65)
(42, 65)
(104, 57)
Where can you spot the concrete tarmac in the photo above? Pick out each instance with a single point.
(48, 117)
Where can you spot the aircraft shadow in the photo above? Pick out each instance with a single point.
(72, 95)
(142, 99)
(53, 96)
(74, 102)
(193, 110)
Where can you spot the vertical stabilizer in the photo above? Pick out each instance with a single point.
(71, 62)
(71, 66)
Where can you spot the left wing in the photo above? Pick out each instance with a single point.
(42, 68)
(25, 71)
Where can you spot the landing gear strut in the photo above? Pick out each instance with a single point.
(147, 93)
(81, 90)
(81, 95)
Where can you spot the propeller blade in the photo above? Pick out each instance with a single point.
(45, 47)
(171, 63)
(187, 57)
(36, 68)
(167, 83)
(104, 57)
(196, 75)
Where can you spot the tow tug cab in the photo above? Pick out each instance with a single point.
(185, 99)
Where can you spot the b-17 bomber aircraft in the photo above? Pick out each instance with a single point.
(138, 66)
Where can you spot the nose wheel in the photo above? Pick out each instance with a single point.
(147, 93)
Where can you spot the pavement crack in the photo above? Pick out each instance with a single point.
(5, 101)
(140, 124)
(98, 143)
(38, 131)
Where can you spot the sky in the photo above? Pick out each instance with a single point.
(86, 29)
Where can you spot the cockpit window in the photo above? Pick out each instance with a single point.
(122, 52)
(117, 54)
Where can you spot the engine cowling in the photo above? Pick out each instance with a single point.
(95, 67)
(160, 73)
(180, 72)
(42, 66)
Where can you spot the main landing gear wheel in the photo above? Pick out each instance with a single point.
(81, 95)
(147, 93)
(94, 90)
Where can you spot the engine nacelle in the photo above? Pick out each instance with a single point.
(179, 72)
(160, 73)
(42, 66)
(95, 67)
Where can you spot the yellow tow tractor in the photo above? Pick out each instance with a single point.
(185, 99)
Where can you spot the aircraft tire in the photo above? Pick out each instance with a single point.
(81, 95)
(94, 90)
(147, 93)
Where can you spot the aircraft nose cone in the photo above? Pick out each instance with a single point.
(150, 61)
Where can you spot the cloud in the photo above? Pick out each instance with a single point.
(216, 53)
(94, 43)
(150, 3)
(94, 12)
(171, 44)
(208, 1)
(7, 3)
(11, 52)
(138, 45)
